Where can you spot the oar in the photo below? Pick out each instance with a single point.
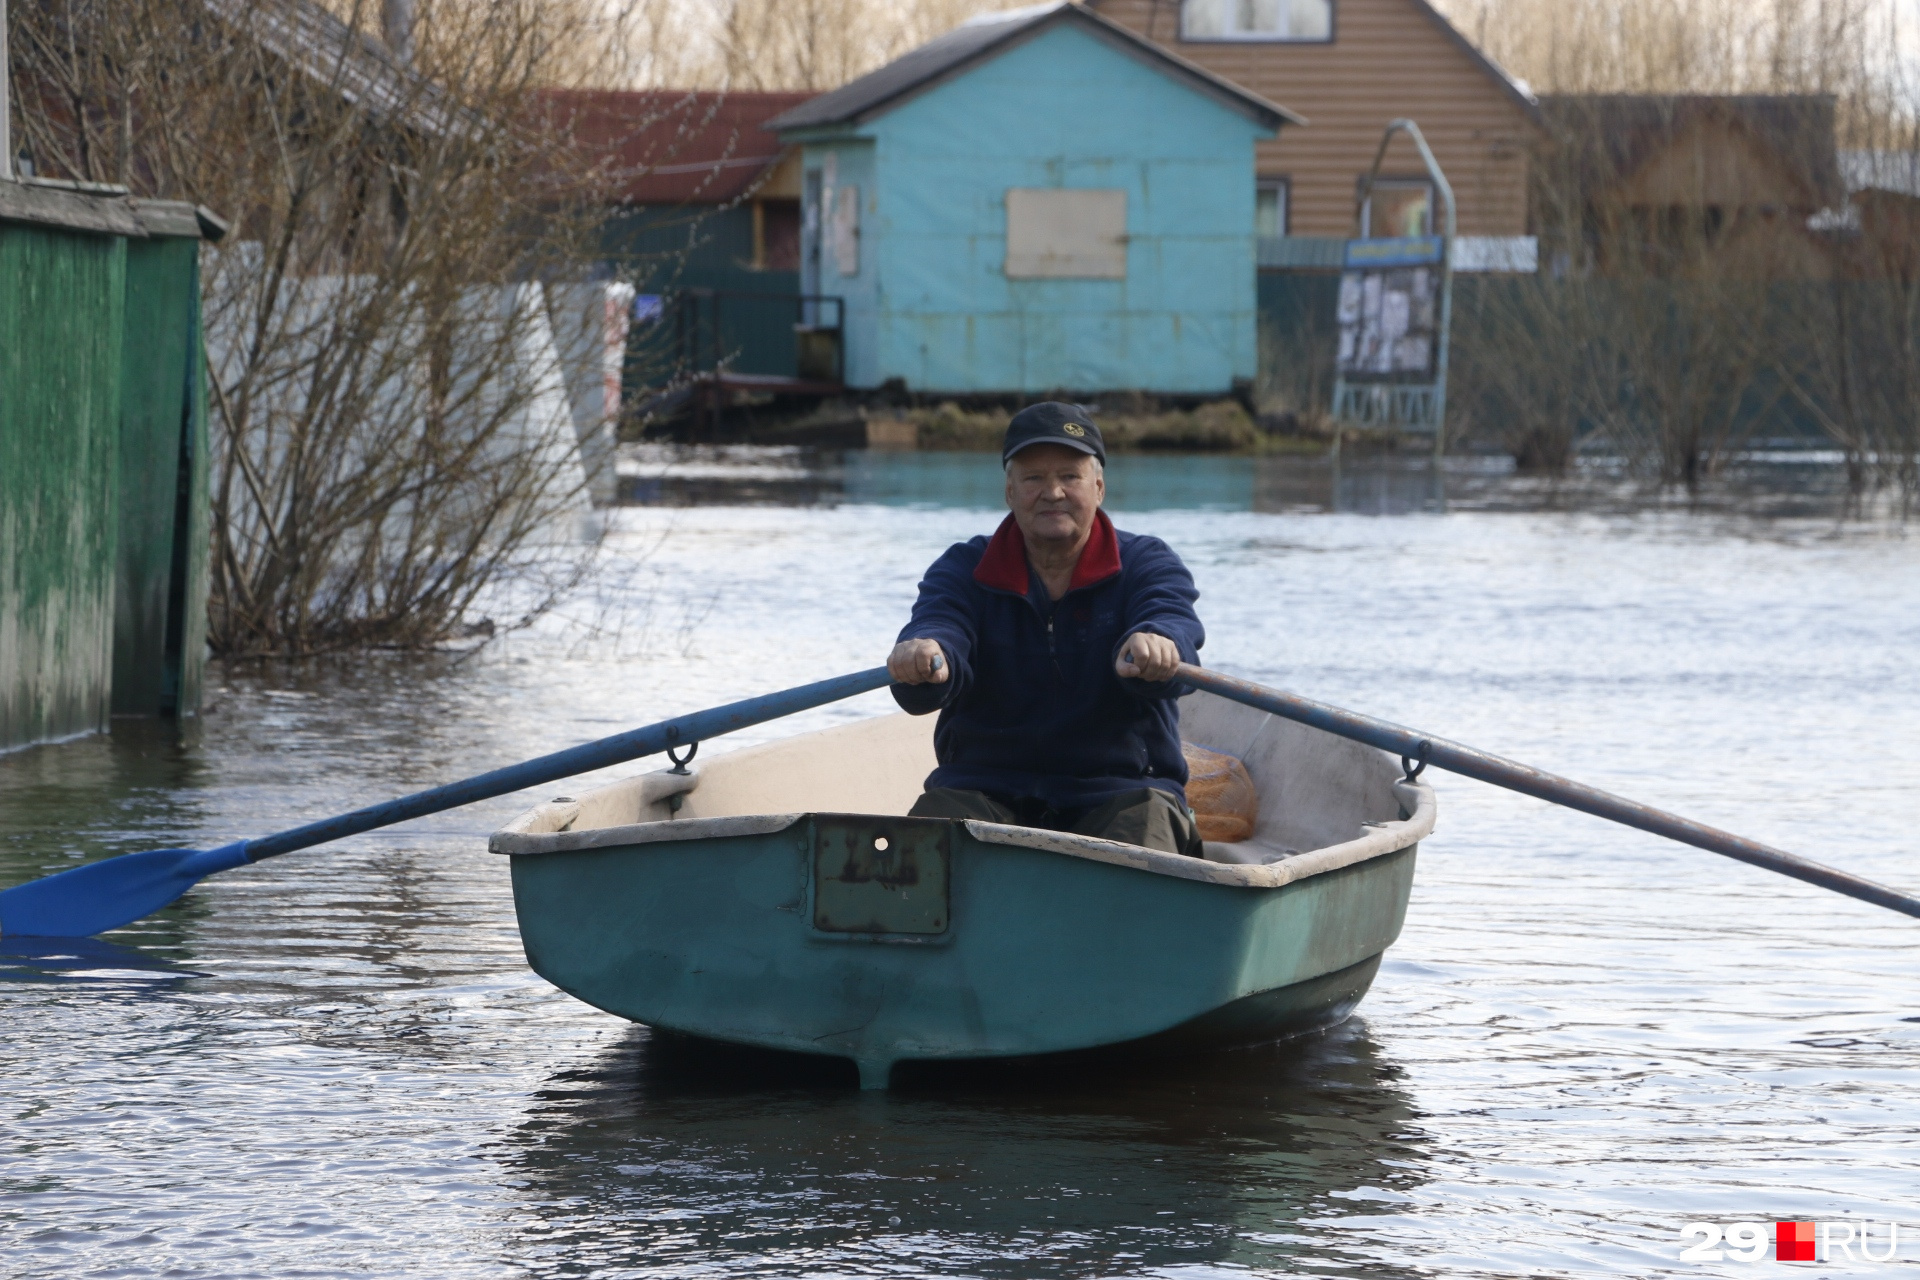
(1417, 750)
(117, 891)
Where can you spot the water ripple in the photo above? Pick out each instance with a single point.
(337, 1063)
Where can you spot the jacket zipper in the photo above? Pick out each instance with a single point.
(1053, 654)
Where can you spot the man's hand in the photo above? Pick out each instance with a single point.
(918, 662)
(1146, 656)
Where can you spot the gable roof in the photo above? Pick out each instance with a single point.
(987, 36)
(667, 146)
(1509, 86)
(1514, 88)
(347, 61)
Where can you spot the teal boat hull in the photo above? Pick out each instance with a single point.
(993, 948)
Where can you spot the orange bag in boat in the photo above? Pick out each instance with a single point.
(1221, 794)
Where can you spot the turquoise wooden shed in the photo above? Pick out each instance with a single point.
(1038, 200)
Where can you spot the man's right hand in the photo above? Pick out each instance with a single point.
(918, 662)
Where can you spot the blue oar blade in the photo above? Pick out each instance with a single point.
(110, 893)
(117, 891)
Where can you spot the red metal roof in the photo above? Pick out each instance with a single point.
(668, 146)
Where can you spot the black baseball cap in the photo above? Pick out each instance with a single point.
(1051, 422)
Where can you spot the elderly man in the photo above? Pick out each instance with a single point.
(1049, 651)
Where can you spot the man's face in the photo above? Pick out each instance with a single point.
(1053, 492)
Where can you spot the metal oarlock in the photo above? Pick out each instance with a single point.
(1416, 764)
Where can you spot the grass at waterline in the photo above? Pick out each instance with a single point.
(1221, 426)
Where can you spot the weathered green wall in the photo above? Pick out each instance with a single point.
(62, 295)
(159, 614)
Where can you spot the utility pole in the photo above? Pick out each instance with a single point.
(396, 28)
(6, 98)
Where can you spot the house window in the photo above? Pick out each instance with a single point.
(1398, 207)
(1066, 234)
(1305, 20)
(1270, 208)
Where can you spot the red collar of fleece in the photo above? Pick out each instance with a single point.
(1004, 566)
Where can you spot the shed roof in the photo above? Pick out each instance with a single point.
(985, 37)
(104, 209)
(1610, 136)
(348, 61)
(667, 146)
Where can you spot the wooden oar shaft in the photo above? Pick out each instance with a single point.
(1514, 776)
(617, 749)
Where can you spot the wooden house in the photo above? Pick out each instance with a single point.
(1349, 67)
(703, 216)
(1037, 200)
(1662, 184)
(690, 174)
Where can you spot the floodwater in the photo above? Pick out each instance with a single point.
(337, 1064)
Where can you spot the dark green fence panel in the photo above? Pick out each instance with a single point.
(62, 295)
(691, 258)
(1298, 337)
(159, 614)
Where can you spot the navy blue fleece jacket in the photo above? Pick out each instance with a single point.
(1032, 707)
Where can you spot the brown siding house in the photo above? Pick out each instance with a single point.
(1350, 66)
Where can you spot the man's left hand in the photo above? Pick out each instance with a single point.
(1146, 656)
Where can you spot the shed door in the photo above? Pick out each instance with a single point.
(812, 224)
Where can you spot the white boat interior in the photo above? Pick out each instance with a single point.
(1325, 802)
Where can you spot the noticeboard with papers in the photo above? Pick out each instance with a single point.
(1389, 309)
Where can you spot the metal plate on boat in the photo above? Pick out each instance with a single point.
(881, 875)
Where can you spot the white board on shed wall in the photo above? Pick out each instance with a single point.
(1066, 233)
(846, 231)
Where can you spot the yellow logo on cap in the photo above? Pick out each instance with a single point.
(1073, 428)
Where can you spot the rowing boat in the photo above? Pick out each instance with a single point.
(778, 897)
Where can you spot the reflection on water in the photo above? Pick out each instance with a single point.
(338, 1064)
(85, 960)
(1782, 484)
(103, 793)
(1234, 1159)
